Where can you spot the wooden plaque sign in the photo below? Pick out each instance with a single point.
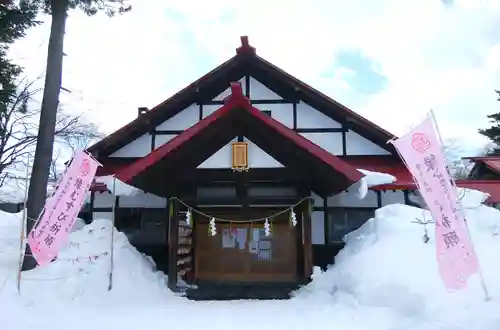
(240, 156)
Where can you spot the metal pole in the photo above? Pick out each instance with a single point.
(110, 284)
(23, 227)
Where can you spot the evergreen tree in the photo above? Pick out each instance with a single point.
(58, 10)
(493, 133)
(14, 22)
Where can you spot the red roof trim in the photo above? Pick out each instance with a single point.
(491, 187)
(412, 185)
(493, 162)
(238, 100)
(482, 158)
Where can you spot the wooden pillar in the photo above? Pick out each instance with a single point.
(173, 237)
(307, 238)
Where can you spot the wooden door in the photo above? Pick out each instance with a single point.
(242, 251)
(214, 260)
(274, 257)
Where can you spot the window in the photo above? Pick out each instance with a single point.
(143, 226)
(276, 192)
(154, 227)
(342, 221)
(216, 192)
(267, 112)
(129, 219)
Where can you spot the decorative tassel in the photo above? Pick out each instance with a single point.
(267, 228)
(212, 228)
(188, 217)
(293, 218)
(426, 238)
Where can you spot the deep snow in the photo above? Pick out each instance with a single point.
(385, 279)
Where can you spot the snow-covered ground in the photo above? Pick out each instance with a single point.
(385, 279)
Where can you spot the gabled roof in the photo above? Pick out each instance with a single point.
(492, 162)
(238, 111)
(216, 81)
(491, 187)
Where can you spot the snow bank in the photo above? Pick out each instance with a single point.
(385, 279)
(80, 273)
(387, 264)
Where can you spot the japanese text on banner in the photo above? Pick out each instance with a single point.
(423, 155)
(62, 208)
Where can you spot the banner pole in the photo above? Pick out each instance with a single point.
(111, 254)
(487, 296)
(23, 227)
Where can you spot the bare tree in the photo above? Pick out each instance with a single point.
(68, 143)
(19, 125)
(453, 152)
(55, 168)
(459, 167)
(58, 10)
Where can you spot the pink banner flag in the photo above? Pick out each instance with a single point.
(62, 208)
(422, 153)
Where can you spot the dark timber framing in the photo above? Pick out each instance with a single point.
(173, 236)
(293, 102)
(255, 102)
(245, 64)
(239, 118)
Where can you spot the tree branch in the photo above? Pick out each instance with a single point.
(19, 125)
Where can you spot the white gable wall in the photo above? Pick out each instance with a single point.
(260, 92)
(140, 147)
(281, 112)
(307, 118)
(183, 120)
(227, 92)
(257, 158)
(358, 145)
(331, 142)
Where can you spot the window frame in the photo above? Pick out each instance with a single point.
(329, 212)
(120, 212)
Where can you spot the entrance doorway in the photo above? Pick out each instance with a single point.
(241, 252)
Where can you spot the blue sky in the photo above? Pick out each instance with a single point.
(389, 60)
(365, 79)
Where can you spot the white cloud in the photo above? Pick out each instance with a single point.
(444, 58)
